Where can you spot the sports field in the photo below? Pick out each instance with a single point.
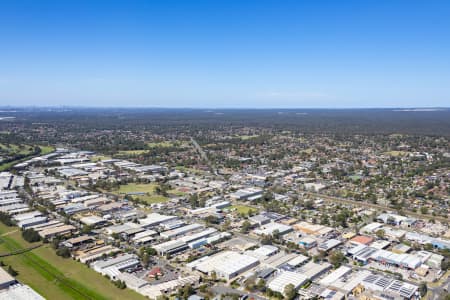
(54, 277)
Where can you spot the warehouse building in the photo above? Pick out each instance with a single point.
(298, 261)
(284, 279)
(31, 222)
(25, 216)
(5, 279)
(114, 265)
(155, 219)
(226, 264)
(262, 252)
(95, 253)
(170, 234)
(200, 235)
(56, 231)
(78, 241)
(279, 259)
(20, 292)
(389, 287)
(313, 270)
(312, 229)
(170, 247)
(335, 275)
(328, 245)
(251, 193)
(271, 228)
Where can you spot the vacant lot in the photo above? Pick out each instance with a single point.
(149, 194)
(54, 277)
(243, 209)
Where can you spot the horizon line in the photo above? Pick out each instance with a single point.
(225, 107)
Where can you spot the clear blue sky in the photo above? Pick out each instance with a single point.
(225, 53)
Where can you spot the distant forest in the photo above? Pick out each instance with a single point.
(338, 121)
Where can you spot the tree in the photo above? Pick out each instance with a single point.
(6, 219)
(31, 236)
(213, 276)
(246, 226)
(151, 251)
(380, 233)
(276, 234)
(289, 292)
(193, 200)
(261, 285)
(63, 252)
(12, 272)
(423, 289)
(336, 258)
(55, 243)
(212, 219)
(187, 291)
(86, 229)
(145, 259)
(250, 284)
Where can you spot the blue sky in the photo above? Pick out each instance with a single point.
(225, 53)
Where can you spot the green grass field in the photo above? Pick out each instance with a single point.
(149, 190)
(149, 146)
(243, 209)
(54, 277)
(131, 152)
(247, 137)
(97, 158)
(160, 144)
(25, 150)
(16, 149)
(46, 149)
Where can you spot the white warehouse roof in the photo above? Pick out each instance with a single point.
(285, 278)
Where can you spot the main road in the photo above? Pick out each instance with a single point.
(205, 158)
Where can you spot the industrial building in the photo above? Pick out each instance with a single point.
(112, 266)
(31, 222)
(251, 193)
(328, 245)
(11, 289)
(170, 247)
(285, 278)
(170, 234)
(226, 264)
(396, 289)
(155, 219)
(271, 228)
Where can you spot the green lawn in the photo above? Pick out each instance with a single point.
(54, 277)
(164, 144)
(97, 158)
(21, 150)
(190, 170)
(243, 209)
(149, 190)
(160, 144)
(131, 152)
(46, 149)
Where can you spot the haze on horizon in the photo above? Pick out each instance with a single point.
(225, 53)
